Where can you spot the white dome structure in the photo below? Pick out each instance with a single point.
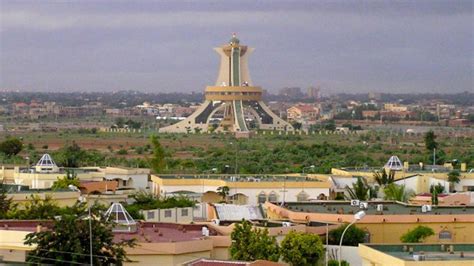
(122, 219)
(46, 165)
(394, 163)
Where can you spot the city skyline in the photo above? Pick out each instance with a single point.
(165, 46)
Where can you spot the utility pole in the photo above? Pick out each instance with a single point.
(90, 235)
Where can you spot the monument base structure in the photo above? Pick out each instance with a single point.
(237, 107)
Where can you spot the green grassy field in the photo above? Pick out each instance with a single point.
(267, 153)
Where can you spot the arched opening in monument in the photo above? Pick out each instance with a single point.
(252, 120)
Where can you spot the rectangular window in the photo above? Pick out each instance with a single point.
(167, 213)
(184, 212)
(151, 215)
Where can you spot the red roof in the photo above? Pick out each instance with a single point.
(429, 195)
(20, 104)
(154, 232)
(163, 232)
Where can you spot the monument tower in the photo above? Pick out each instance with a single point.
(233, 104)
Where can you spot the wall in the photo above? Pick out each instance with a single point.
(40, 181)
(373, 257)
(11, 245)
(391, 232)
(166, 259)
(169, 253)
(389, 228)
(176, 215)
(250, 189)
(349, 254)
(66, 198)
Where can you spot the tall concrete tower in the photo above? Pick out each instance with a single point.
(233, 101)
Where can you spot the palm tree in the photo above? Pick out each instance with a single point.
(453, 178)
(360, 190)
(397, 192)
(383, 179)
(439, 188)
(223, 192)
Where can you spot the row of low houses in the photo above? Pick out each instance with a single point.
(280, 203)
(242, 189)
(181, 243)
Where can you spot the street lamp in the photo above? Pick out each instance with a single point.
(212, 170)
(82, 199)
(359, 215)
(226, 167)
(309, 167)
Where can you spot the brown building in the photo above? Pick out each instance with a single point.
(302, 112)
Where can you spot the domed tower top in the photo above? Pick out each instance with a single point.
(234, 40)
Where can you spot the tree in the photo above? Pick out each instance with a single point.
(330, 125)
(143, 197)
(301, 248)
(120, 122)
(360, 190)
(144, 200)
(417, 235)
(438, 188)
(397, 192)
(430, 141)
(68, 242)
(296, 125)
(434, 197)
(252, 244)
(71, 155)
(223, 192)
(352, 237)
(383, 179)
(11, 146)
(453, 178)
(38, 209)
(336, 263)
(6, 203)
(66, 181)
(157, 162)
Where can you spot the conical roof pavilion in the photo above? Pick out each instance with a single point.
(46, 160)
(122, 219)
(46, 164)
(394, 163)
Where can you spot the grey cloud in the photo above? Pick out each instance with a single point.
(166, 45)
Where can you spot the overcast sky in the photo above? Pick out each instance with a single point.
(166, 46)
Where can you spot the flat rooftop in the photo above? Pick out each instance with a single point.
(413, 168)
(390, 208)
(432, 252)
(146, 232)
(163, 232)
